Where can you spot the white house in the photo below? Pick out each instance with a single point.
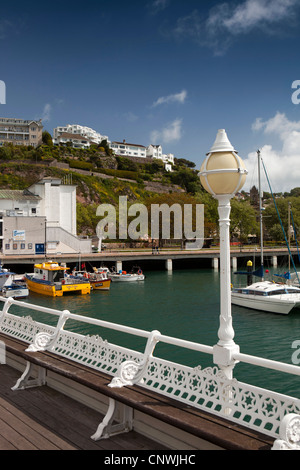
(125, 149)
(79, 136)
(40, 219)
(155, 151)
(77, 141)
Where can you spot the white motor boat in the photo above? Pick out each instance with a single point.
(123, 276)
(267, 296)
(15, 290)
(9, 287)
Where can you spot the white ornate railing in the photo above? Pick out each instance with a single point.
(209, 389)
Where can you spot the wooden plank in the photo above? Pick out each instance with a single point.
(37, 437)
(44, 418)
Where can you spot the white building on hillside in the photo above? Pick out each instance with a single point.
(124, 149)
(79, 136)
(155, 151)
(40, 219)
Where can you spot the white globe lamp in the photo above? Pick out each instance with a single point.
(223, 174)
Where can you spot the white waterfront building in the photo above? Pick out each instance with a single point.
(79, 136)
(40, 219)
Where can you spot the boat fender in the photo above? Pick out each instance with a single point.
(140, 271)
(124, 272)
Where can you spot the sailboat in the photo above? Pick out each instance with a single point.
(294, 278)
(264, 295)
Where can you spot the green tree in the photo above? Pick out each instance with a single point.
(47, 139)
(243, 220)
(187, 179)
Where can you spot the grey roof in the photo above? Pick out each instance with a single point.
(18, 195)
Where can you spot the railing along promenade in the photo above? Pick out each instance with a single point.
(209, 389)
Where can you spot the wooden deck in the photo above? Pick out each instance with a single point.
(43, 419)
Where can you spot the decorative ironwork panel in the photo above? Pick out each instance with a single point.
(23, 328)
(93, 351)
(210, 390)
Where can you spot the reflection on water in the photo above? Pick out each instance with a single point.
(186, 305)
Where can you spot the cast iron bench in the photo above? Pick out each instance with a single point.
(213, 429)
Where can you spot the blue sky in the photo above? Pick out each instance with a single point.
(162, 71)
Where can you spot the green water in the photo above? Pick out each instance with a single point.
(185, 304)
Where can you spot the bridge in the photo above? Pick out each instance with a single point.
(200, 258)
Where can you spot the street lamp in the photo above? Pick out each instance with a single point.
(223, 174)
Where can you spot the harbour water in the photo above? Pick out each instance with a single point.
(185, 304)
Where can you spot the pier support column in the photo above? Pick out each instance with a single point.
(169, 265)
(215, 263)
(274, 261)
(118, 266)
(234, 262)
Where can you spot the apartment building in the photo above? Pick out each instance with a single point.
(21, 132)
(125, 149)
(79, 136)
(77, 141)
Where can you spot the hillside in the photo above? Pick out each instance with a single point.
(93, 188)
(101, 178)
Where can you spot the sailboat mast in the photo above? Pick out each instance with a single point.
(260, 212)
(289, 232)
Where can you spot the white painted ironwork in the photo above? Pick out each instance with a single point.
(289, 433)
(107, 429)
(209, 389)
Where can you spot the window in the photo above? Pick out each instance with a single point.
(7, 246)
(33, 210)
(22, 246)
(29, 246)
(15, 246)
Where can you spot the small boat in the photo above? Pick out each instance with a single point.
(123, 276)
(50, 279)
(98, 279)
(15, 290)
(9, 287)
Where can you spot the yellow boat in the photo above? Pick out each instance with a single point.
(49, 279)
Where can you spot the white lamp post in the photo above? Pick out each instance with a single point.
(223, 174)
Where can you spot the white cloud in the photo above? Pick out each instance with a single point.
(170, 133)
(250, 14)
(157, 5)
(46, 112)
(226, 21)
(175, 98)
(283, 165)
(131, 117)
